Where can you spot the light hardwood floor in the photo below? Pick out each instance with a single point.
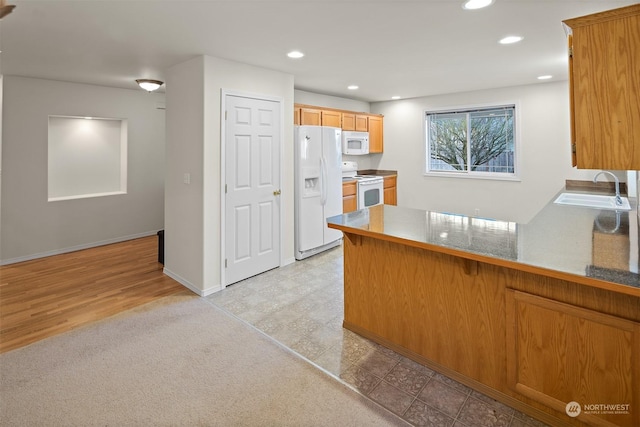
(48, 296)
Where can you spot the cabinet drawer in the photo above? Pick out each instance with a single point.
(389, 181)
(349, 188)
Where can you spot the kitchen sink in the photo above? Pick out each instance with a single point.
(592, 201)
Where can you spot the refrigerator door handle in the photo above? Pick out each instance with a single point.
(323, 181)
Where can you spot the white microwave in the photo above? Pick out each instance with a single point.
(355, 143)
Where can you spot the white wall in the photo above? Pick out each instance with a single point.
(32, 227)
(543, 123)
(320, 100)
(184, 214)
(193, 212)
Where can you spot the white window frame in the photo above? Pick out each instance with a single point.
(515, 176)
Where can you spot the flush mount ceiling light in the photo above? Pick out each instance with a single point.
(476, 4)
(295, 54)
(148, 84)
(545, 77)
(352, 87)
(511, 39)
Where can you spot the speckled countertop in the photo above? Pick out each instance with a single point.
(582, 244)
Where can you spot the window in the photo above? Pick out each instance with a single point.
(477, 142)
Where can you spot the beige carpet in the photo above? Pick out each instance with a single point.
(182, 362)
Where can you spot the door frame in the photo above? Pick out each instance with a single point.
(223, 170)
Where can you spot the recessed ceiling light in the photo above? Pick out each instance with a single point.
(545, 77)
(352, 87)
(295, 54)
(395, 97)
(476, 4)
(511, 39)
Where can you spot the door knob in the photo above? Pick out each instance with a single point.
(276, 193)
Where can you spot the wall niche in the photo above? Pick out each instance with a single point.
(87, 157)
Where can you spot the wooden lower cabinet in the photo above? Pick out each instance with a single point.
(349, 196)
(390, 190)
(559, 353)
(533, 342)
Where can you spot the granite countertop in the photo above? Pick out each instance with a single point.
(574, 243)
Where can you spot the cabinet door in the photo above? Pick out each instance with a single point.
(572, 107)
(309, 116)
(331, 118)
(375, 134)
(390, 191)
(361, 123)
(349, 204)
(348, 121)
(296, 115)
(349, 197)
(559, 353)
(606, 89)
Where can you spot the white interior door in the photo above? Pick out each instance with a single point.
(252, 202)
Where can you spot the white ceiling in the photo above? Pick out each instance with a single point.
(408, 48)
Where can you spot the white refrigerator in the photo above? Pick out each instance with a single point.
(318, 188)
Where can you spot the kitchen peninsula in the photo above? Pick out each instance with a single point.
(536, 315)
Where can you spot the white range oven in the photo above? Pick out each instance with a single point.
(370, 191)
(370, 188)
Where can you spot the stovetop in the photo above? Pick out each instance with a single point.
(350, 171)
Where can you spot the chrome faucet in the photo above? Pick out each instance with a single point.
(618, 199)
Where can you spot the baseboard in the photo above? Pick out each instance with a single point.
(76, 248)
(288, 261)
(187, 284)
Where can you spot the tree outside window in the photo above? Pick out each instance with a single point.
(474, 142)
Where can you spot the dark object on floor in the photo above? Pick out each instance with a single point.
(161, 246)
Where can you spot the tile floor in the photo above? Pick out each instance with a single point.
(301, 306)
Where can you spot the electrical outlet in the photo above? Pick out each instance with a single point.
(476, 211)
(186, 178)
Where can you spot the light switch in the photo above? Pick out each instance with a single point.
(186, 178)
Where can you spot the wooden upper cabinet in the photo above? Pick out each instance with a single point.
(318, 117)
(296, 115)
(362, 123)
(604, 80)
(348, 121)
(331, 118)
(375, 134)
(310, 116)
(355, 122)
